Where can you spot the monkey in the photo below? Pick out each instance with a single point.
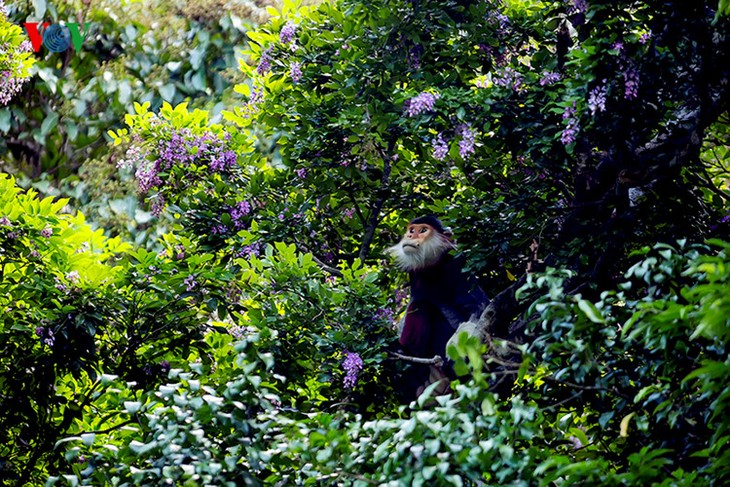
(442, 297)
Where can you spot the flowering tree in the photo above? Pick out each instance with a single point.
(547, 120)
(15, 60)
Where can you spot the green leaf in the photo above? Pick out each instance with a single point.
(590, 310)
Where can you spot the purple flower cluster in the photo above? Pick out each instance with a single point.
(578, 6)
(9, 86)
(264, 62)
(645, 37)
(218, 229)
(414, 57)
(287, 33)
(73, 277)
(421, 103)
(134, 156)
(631, 83)
(190, 283)
(348, 212)
(46, 335)
(158, 205)
(182, 149)
(597, 99)
(301, 173)
(385, 314)
(47, 232)
(500, 20)
(508, 77)
(466, 144)
(10, 80)
(147, 177)
(296, 72)
(569, 133)
(440, 147)
(400, 295)
(549, 78)
(240, 332)
(4, 221)
(249, 250)
(352, 365)
(237, 212)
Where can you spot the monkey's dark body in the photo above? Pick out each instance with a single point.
(442, 297)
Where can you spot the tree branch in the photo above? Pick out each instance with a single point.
(382, 197)
(437, 361)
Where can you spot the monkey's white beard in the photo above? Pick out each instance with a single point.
(425, 255)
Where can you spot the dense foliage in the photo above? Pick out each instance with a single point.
(584, 141)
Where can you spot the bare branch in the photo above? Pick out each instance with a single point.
(437, 361)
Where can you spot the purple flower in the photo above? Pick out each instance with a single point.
(301, 172)
(46, 335)
(497, 18)
(254, 100)
(384, 314)
(73, 276)
(158, 205)
(249, 250)
(645, 37)
(578, 6)
(508, 77)
(218, 229)
(240, 332)
(631, 84)
(618, 45)
(47, 232)
(466, 144)
(287, 33)
(569, 133)
(222, 160)
(147, 177)
(264, 62)
(414, 57)
(421, 103)
(237, 212)
(190, 283)
(549, 78)
(9, 86)
(440, 147)
(296, 72)
(348, 212)
(176, 151)
(132, 158)
(352, 365)
(597, 99)
(5, 222)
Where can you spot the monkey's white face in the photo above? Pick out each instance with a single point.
(422, 246)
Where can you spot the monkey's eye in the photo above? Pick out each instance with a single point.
(424, 230)
(411, 230)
